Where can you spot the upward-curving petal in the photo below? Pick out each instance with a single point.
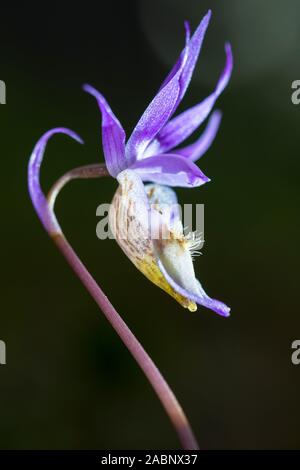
(193, 46)
(200, 147)
(113, 136)
(182, 126)
(170, 93)
(158, 112)
(178, 63)
(170, 170)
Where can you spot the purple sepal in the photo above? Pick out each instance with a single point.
(113, 136)
(37, 196)
(182, 126)
(192, 47)
(200, 147)
(157, 114)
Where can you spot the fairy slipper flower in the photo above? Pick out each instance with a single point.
(145, 218)
(153, 154)
(147, 227)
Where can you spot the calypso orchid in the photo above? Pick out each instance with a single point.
(151, 154)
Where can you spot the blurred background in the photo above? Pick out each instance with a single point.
(69, 383)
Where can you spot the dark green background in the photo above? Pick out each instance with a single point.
(69, 382)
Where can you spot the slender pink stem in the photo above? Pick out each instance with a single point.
(45, 210)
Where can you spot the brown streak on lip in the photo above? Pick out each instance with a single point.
(150, 194)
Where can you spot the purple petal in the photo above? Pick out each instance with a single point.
(170, 93)
(201, 299)
(200, 147)
(37, 196)
(171, 170)
(157, 113)
(113, 136)
(177, 64)
(182, 126)
(194, 47)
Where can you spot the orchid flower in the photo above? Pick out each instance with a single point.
(151, 154)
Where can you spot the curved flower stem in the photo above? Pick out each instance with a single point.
(95, 170)
(45, 210)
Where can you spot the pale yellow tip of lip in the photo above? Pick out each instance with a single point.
(192, 307)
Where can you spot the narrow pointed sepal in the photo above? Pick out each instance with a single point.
(113, 135)
(197, 149)
(36, 194)
(183, 125)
